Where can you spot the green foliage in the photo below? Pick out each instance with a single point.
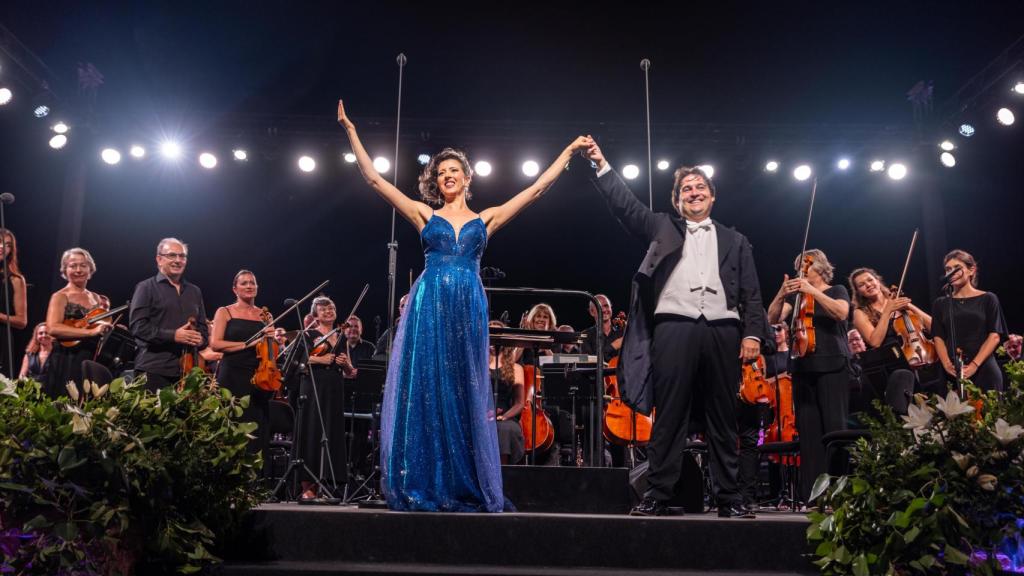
(937, 491)
(116, 480)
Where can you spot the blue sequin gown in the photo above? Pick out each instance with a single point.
(439, 445)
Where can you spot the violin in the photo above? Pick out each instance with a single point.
(92, 317)
(917, 349)
(190, 357)
(802, 328)
(322, 345)
(783, 427)
(538, 431)
(267, 376)
(755, 387)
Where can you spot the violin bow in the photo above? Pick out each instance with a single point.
(906, 264)
(645, 65)
(803, 251)
(259, 335)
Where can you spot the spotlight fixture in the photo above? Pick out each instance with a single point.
(1019, 87)
(423, 159)
(240, 154)
(58, 141)
(802, 172)
(350, 157)
(41, 111)
(137, 151)
(771, 166)
(966, 130)
(60, 128)
(170, 149)
(5, 96)
(110, 156)
(947, 145)
(381, 164)
(630, 171)
(877, 165)
(483, 168)
(708, 170)
(947, 159)
(1005, 116)
(531, 168)
(307, 164)
(207, 160)
(897, 171)
(843, 163)
(663, 165)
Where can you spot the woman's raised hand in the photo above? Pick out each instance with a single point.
(343, 117)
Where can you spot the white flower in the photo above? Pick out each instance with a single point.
(972, 471)
(961, 459)
(80, 423)
(987, 482)
(9, 388)
(917, 417)
(1006, 433)
(953, 407)
(99, 391)
(112, 413)
(72, 390)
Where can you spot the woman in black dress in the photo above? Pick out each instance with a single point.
(37, 352)
(233, 325)
(72, 302)
(821, 379)
(508, 380)
(970, 321)
(18, 317)
(328, 371)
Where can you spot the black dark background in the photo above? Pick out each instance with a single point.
(732, 84)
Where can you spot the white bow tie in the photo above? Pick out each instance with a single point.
(694, 227)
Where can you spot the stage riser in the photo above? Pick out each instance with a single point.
(553, 489)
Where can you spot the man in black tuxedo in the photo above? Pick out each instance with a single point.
(695, 311)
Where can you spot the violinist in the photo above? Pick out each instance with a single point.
(322, 390)
(970, 321)
(166, 317)
(508, 379)
(14, 306)
(612, 331)
(821, 377)
(72, 302)
(357, 348)
(233, 325)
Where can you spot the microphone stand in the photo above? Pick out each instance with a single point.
(393, 244)
(951, 348)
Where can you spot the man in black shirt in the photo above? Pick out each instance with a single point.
(167, 317)
(358, 349)
(612, 333)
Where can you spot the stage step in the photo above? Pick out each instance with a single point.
(371, 569)
(348, 540)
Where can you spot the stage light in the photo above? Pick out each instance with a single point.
(966, 130)
(207, 160)
(531, 168)
(381, 164)
(897, 171)
(350, 157)
(58, 141)
(1019, 87)
(1005, 116)
(41, 111)
(663, 165)
(423, 159)
(170, 150)
(307, 164)
(240, 154)
(110, 156)
(947, 159)
(708, 170)
(630, 171)
(877, 165)
(137, 151)
(802, 172)
(5, 96)
(843, 163)
(947, 145)
(771, 166)
(60, 128)
(483, 168)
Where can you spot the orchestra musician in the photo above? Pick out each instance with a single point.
(821, 378)
(381, 346)
(612, 332)
(680, 342)
(357, 348)
(508, 380)
(15, 290)
(971, 321)
(540, 317)
(37, 352)
(72, 302)
(167, 317)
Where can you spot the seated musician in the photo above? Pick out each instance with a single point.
(611, 331)
(167, 317)
(540, 317)
(72, 302)
(568, 347)
(358, 349)
(37, 352)
(508, 381)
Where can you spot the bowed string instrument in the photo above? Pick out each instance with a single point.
(801, 328)
(916, 347)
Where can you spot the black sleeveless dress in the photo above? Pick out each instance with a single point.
(65, 364)
(235, 373)
(330, 396)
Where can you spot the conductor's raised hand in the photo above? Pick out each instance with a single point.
(343, 117)
(594, 154)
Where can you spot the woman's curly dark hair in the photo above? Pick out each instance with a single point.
(428, 178)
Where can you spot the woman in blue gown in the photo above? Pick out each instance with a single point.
(439, 446)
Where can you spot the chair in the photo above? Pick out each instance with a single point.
(788, 452)
(282, 425)
(96, 373)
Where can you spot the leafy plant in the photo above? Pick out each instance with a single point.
(117, 480)
(938, 490)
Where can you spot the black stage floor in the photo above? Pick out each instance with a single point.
(291, 539)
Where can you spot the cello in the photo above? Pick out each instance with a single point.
(267, 376)
(621, 424)
(916, 347)
(538, 431)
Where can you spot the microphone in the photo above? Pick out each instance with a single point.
(948, 278)
(7, 198)
(290, 301)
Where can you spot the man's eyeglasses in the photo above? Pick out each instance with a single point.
(174, 255)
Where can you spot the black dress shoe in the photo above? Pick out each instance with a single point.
(735, 511)
(649, 507)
